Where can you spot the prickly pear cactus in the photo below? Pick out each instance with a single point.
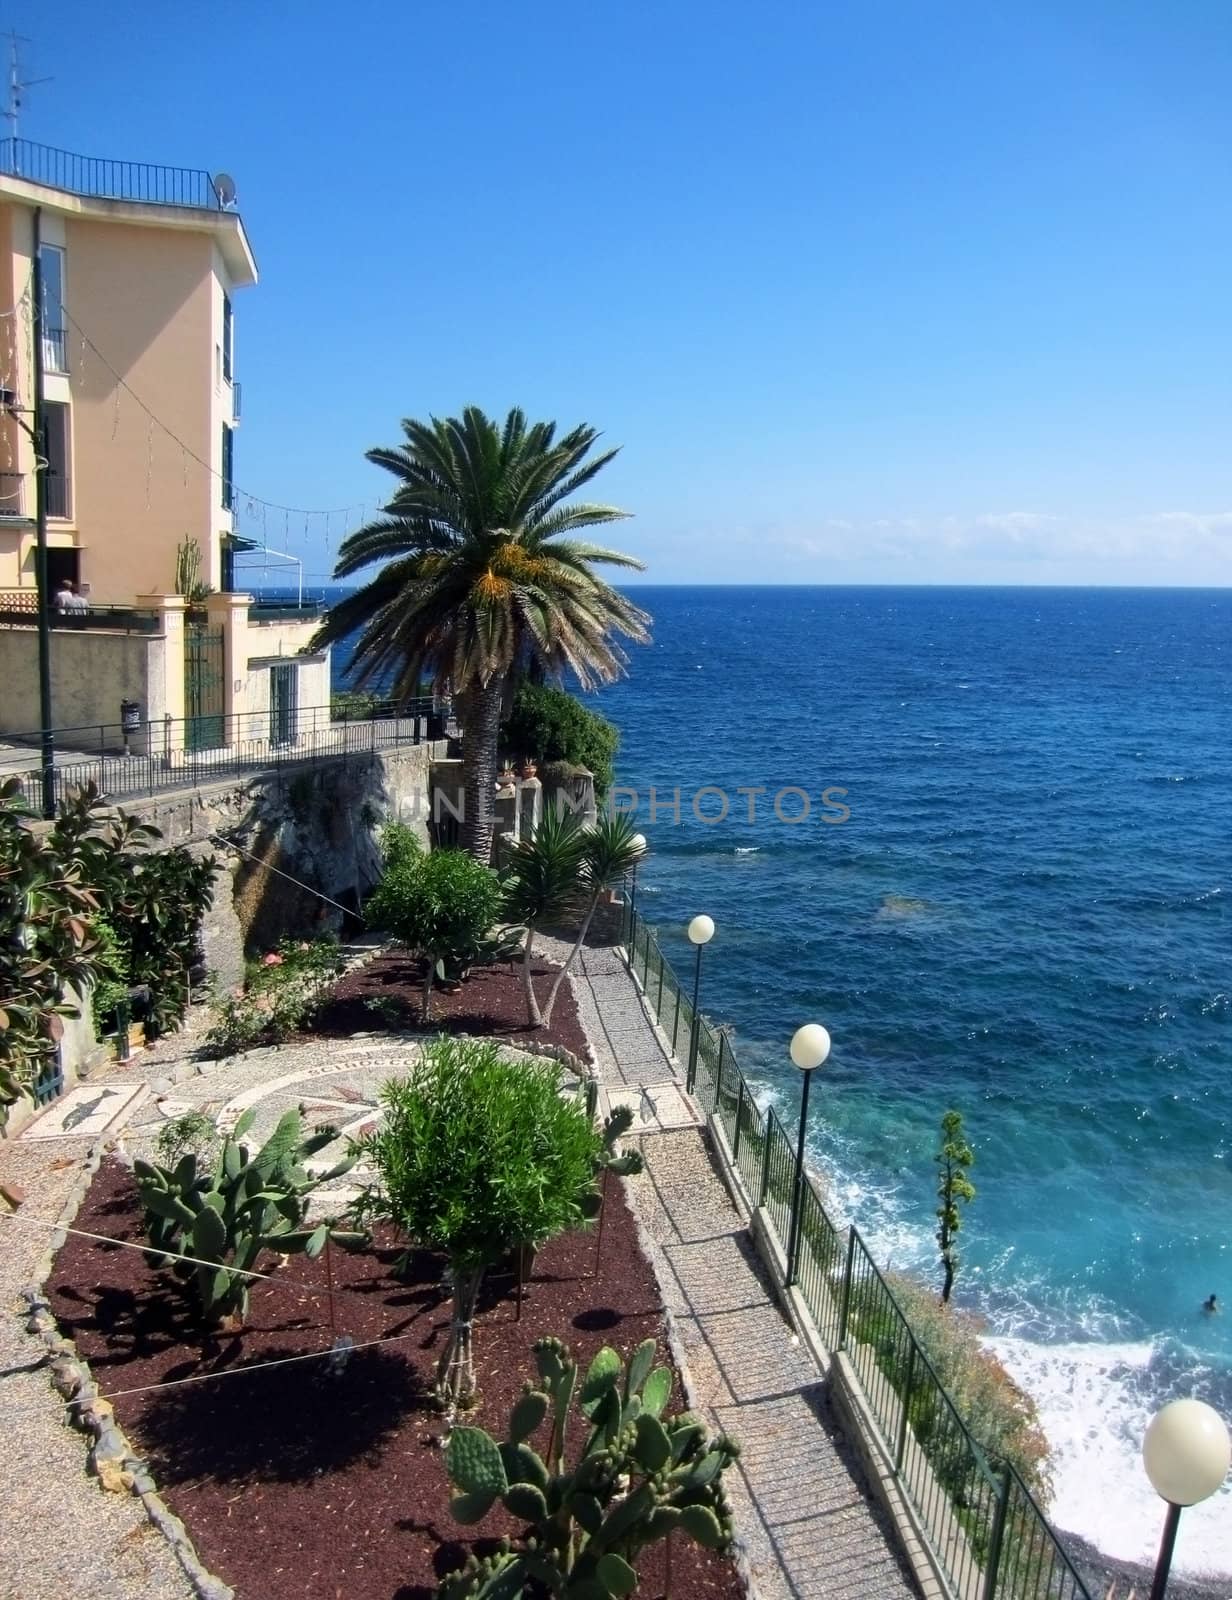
(639, 1477)
(225, 1216)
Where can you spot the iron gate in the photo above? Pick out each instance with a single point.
(204, 666)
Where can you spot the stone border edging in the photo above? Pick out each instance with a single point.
(111, 1458)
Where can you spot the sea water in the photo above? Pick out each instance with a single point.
(1025, 916)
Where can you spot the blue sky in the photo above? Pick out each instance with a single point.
(868, 292)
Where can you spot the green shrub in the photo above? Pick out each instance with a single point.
(280, 997)
(442, 906)
(477, 1155)
(550, 726)
(93, 866)
(191, 1134)
(999, 1415)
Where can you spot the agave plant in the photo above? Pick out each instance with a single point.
(226, 1214)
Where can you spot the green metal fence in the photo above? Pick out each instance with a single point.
(988, 1533)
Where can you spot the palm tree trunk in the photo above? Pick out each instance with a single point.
(564, 971)
(482, 711)
(533, 1018)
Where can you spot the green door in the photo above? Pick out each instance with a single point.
(204, 664)
(284, 703)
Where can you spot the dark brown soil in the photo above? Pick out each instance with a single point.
(301, 1484)
(491, 1003)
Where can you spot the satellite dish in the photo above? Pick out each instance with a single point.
(224, 188)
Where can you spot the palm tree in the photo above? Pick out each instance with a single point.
(480, 583)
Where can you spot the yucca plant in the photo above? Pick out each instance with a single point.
(545, 879)
(480, 582)
(609, 854)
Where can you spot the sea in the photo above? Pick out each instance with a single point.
(984, 836)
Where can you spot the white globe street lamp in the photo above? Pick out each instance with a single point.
(1186, 1452)
(810, 1046)
(700, 932)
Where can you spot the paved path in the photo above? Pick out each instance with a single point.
(801, 1508)
(800, 1500)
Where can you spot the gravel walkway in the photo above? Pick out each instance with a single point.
(801, 1504)
(61, 1537)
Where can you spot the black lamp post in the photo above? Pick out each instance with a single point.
(1186, 1453)
(810, 1045)
(700, 932)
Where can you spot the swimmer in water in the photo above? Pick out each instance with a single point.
(1210, 1306)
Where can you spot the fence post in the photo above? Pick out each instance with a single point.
(908, 1391)
(997, 1538)
(659, 1001)
(676, 1017)
(846, 1307)
(739, 1118)
(765, 1158)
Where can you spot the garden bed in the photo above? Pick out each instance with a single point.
(490, 1004)
(300, 1484)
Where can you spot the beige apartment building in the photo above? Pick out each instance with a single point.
(142, 268)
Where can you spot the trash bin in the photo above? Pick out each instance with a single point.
(130, 721)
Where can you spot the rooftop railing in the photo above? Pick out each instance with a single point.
(99, 178)
(988, 1533)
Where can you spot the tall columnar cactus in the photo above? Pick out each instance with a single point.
(224, 1216)
(639, 1477)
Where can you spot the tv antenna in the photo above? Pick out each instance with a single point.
(224, 188)
(17, 86)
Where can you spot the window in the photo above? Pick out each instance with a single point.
(228, 462)
(59, 465)
(55, 344)
(226, 337)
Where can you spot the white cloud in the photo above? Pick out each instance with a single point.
(991, 546)
(1217, 523)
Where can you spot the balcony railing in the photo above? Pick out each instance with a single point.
(19, 609)
(55, 350)
(99, 178)
(59, 502)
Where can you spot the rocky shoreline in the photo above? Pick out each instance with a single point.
(1101, 1572)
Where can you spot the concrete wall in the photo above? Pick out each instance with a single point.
(315, 824)
(91, 672)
